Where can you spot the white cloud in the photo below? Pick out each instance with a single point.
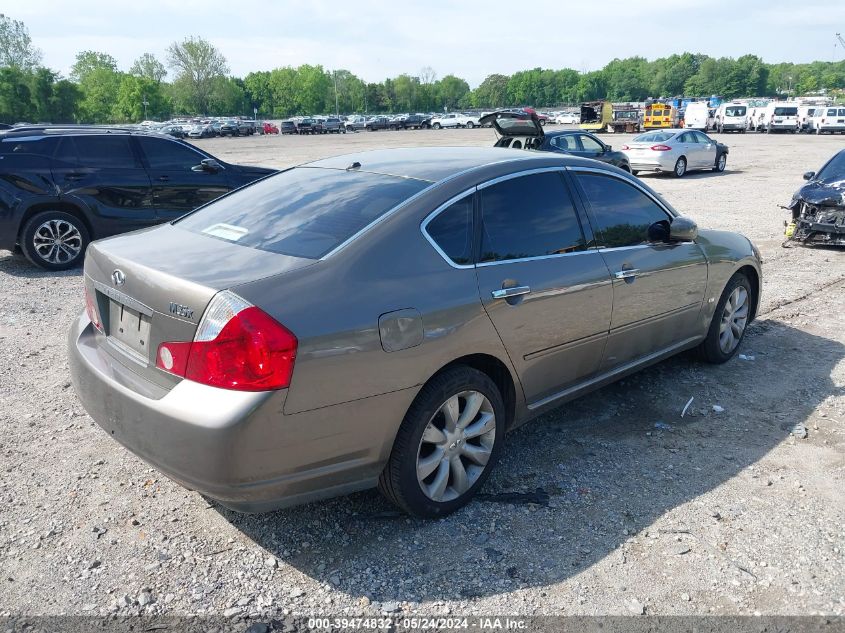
(377, 39)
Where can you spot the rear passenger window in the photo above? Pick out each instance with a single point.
(622, 212)
(105, 151)
(529, 216)
(168, 155)
(43, 147)
(451, 230)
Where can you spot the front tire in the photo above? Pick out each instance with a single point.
(448, 443)
(730, 321)
(470, 125)
(721, 162)
(54, 240)
(436, 126)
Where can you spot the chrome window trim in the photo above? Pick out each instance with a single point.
(430, 217)
(405, 202)
(485, 184)
(519, 174)
(586, 251)
(636, 185)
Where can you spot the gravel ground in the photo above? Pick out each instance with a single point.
(625, 507)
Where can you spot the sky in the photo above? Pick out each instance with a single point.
(376, 39)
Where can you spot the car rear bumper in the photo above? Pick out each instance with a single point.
(236, 447)
(733, 126)
(642, 165)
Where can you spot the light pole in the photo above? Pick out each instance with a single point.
(146, 103)
(336, 109)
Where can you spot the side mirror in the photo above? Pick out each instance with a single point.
(207, 165)
(808, 175)
(682, 230)
(608, 148)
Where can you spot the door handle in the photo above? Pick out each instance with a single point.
(163, 178)
(507, 293)
(74, 175)
(627, 273)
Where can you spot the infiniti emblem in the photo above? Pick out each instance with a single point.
(117, 277)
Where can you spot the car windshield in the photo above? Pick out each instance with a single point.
(786, 111)
(302, 212)
(653, 137)
(834, 171)
(735, 111)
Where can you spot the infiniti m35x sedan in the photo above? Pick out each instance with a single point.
(384, 318)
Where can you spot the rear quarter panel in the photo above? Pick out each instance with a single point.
(726, 253)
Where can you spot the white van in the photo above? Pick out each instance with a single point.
(779, 117)
(697, 116)
(732, 117)
(828, 119)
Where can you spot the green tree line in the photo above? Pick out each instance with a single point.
(194, 79)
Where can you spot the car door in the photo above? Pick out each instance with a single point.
(549, 296)
(590, 147)
(690, 149)
(707, 150)
(658, 286)
(105, 173)
(180, 183)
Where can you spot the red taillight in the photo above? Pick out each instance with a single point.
(250, 351)
(660, 148)
(91, 310)
(624, 147)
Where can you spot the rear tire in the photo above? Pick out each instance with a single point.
(436, 126)
(54, 240)
(432, 470)
(470, 125)
(680, 168)
(730, 321)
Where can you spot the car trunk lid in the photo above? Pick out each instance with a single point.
(514, 124)
(146, 296)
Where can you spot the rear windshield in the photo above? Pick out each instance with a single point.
(786, 111)
(735, 111)
(302, 212)
(653, 137)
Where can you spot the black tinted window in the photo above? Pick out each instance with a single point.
(451, 230)
(164, 154)
(105, 151)
(623, 212)
(44, 146)
(528, 217)
(303, 212)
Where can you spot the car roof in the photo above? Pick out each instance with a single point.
(61, 130)
(432, 164)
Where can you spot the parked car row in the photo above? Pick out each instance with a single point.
(198, 128)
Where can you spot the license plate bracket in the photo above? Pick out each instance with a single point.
(129, 329)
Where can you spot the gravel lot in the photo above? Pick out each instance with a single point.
(633, 509)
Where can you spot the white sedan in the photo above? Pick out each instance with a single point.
(567, 118)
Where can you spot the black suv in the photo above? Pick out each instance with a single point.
(61, 187)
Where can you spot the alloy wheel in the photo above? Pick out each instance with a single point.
(57, 241)
(456, 445)
(734, 320)
(680, 167)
